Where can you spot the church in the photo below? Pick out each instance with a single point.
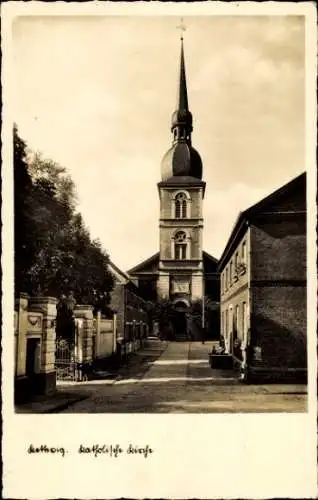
(181, 270)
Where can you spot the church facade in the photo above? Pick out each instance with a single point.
(181, 271)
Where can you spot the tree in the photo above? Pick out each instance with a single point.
(52, 217)
(24, 243)
(63, 259)
(163, 311)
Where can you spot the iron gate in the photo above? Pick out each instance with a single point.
(66, 362)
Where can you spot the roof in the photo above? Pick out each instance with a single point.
(154, 260)
(183, 93)
(118, 274)
(144, 263)
(245, 216)
(181, 160)
(209, 256)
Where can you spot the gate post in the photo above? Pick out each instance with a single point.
(97, 334)
(21, 380)
(47, 375)
(114, 332)
(85, 334)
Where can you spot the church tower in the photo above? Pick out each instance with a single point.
(181, 193)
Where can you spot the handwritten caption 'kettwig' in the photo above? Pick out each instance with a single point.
(94, 450)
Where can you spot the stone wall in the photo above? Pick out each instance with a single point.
(84, 330)
(197, 286)
(163, 285)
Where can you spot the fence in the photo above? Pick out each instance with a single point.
(42, 357)
(94, 340)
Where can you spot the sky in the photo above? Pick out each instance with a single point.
(96, 94)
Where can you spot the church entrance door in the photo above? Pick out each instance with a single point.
(180, 322)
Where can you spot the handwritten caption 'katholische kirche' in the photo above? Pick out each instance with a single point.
(94, 450)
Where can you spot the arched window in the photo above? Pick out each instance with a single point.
(181, 206)
(180, 245)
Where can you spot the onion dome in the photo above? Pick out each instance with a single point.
(181, 160)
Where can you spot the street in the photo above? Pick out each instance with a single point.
(175, 377)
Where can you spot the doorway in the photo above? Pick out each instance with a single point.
(33, 360)
(31, 357)
(180, 325)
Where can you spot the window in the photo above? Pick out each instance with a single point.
(226, 278)
(244, 321)
(181, 206)
(180, 245)
(244, 252)
(231, 273)
(237, 315)
(236, 262)
(180, 252)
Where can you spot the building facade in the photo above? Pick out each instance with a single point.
(263, 286)
(131, 310)
(181, 271)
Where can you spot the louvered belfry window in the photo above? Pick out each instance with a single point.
(181, 206)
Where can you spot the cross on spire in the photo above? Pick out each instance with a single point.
(182, 27)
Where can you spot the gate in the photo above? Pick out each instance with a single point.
(67, 363)
(66, 351)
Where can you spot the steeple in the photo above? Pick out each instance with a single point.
(181, 160)
(183, 93)
(181, 123)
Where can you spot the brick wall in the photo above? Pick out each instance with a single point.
(278, 325)
(129, 306)
(278, 274)
(279, 250)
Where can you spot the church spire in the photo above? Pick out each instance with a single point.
(181, 160)
(183, 93)
(181, 124)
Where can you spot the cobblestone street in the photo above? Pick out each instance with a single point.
(175, 377)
